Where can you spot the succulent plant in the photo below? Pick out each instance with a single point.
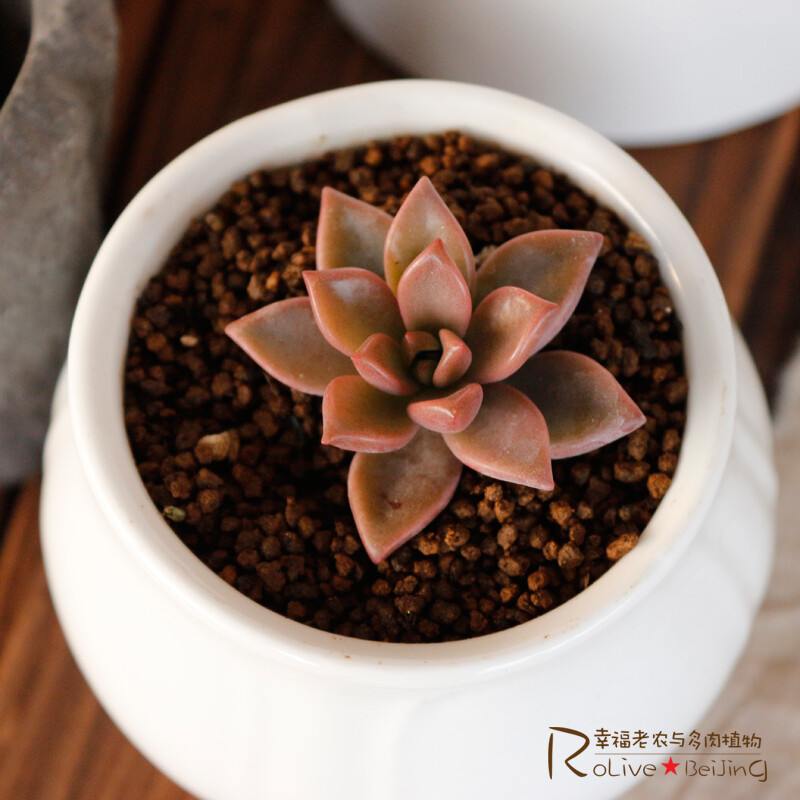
(425, 364)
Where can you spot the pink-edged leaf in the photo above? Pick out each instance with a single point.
(357, 416)
(454, 362)
(432, 293)
(423, 218)
(283, 339)
(350, 305)
(380, 362)
(447, 411)
(508, 439)
(416, 342)
(393, 496)
(351, 233)
(583, 404)
(504, 331)
(553, 265)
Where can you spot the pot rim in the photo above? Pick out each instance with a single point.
(303, 129)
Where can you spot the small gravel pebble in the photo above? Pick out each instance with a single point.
(233, 461)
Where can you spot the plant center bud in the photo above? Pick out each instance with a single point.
(424, 365)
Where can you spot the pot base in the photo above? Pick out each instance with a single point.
(225, 722)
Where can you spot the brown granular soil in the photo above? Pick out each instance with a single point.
(233, 458)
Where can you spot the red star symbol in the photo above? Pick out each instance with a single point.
(670, 765)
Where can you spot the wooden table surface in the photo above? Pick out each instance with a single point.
(190, 66)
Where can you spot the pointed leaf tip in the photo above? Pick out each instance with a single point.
(394, 496)
(350, 305)
(504, 331)
(454, 362)
(423, 218)
(447, 412)
(432, 293)
(507, 441)
(350, 233)
(284, 340)
(552, 264)
(380, 362)
(582, 402)
(357, 416)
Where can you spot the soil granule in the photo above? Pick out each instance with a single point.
(233, 458)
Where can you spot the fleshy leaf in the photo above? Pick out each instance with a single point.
(454, 362)
(423, 218)
(447, 412)
(583, 404)
(508, 439)
(393, 496)
(283, 339)
(432, 293)
(423, 369)
(553, 265)
(416, 342)
(350, 305)
(351, 233)
(380, 362)
(504, 331)
(357, 416)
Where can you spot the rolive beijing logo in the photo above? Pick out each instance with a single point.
(634, 754)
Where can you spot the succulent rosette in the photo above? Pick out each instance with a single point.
(425, 364)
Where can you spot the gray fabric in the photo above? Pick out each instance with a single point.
(53, 126)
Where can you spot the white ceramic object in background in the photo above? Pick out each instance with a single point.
(648, 72)
(236, 702)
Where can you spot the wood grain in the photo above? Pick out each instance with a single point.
(190, 66)
(56, 743)
(728, 189)
(6, 504)
(771, 320)
(741, 193)
(216, 61)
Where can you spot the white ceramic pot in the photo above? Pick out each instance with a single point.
(234, 701)
(647, 72)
